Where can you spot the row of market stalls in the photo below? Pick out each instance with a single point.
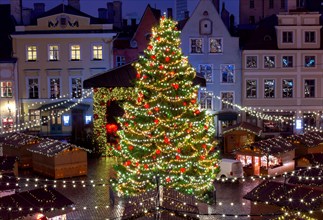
(49, 157)
(272, 156)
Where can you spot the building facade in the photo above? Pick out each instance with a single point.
(215, 55)
(180, 9)
(55, 53)
(282, 74)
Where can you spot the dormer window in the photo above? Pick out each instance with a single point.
(310, 37)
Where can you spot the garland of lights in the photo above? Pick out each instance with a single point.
(101, 97)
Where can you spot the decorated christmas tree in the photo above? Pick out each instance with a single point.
(164, 133)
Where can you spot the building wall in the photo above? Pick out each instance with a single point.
(180, 8)
(230, 55)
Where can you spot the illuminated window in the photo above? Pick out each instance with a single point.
(88, 119)
(66, 120)
(269, 89)
(206, 100)
(97, 52)
(53, 53)
(33, 88)
(207, 72)
(251, 89)
(34, 116)
(196, 45)
(6, 89)
(76, 87)
(227, 73)
(287, 61)
(54, 84)
(309, 88)
(31, 53)
(75, 52)
(288, 88)
(216, 45)
(227, 100)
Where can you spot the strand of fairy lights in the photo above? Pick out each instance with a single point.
(36, 122)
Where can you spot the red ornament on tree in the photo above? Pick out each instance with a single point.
(168, 179)
(166, 140)
(172, 73)
(156, 109)
(137, 164)
(144, 77)
(202, 157)
(203, 146)
(206, 127)
(146, 166)
(184, 103)
(111, 128)
(167, 59)
(150, 47)
(130, 147)
(156, 121)
(175, 86)
(182, 170)
(161, 67)
(119, 148)
(177, 157)
(127, 163)
(158, 38)
(95, 116)
(153, 57)
(193, 101)
(178, 150)
(138, 76)
(157, 151)
(197, 112)
(146, 106)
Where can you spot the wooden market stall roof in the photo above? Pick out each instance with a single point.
(243, 126)
(308, 177)
(272, 146)
(17, 140)
(7, 163)
(309, 139)
(8, 181)
(51, 147)
(276, 193)
(45, 198)
(123, 76)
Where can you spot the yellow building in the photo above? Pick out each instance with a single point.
(55, 53)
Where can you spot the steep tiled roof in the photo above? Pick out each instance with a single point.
(62, 8)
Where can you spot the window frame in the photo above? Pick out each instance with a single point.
(208, 97)
(216, 38)
(254, 56)
(27, 87)
(33, 54)
(292, 88)
(120, 63)
(314, 90)
(50, 51)
(309, 56)
(71, 87)
(72, 54)
(49, 87)
(206, 72)
(96, 52)
(223, 104)
(274, 88)
(308, 39)
(233, 73)
(288, 66)
(246, 81)
(265, 64)
(5, 89)
(191, 44)
(287, 37)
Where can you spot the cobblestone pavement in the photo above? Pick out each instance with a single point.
(92, 201)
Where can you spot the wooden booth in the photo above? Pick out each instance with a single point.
(239, 135)
(307, 143)
(267, 157)
(16, 145)
(58, 159)
(271, 197)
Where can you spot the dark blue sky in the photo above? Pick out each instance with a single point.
(131, 8)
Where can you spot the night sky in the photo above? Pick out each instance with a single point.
(131, 8)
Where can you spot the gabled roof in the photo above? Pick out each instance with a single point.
(276, 193)
(62, 8)
(8, 181)
(122, 76)
(17, 140)
(244, 126)
(264, 36)
(309, 139)
(309, 177)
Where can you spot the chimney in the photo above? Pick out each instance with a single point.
(26, 16)
(133, 22)
(124, 23)
(16, 10)
(75, 4)
(117, 18)
(216, 3)
(186, 14)
(39, 8)
(170, 13)
(110, 12)
(103, 13)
